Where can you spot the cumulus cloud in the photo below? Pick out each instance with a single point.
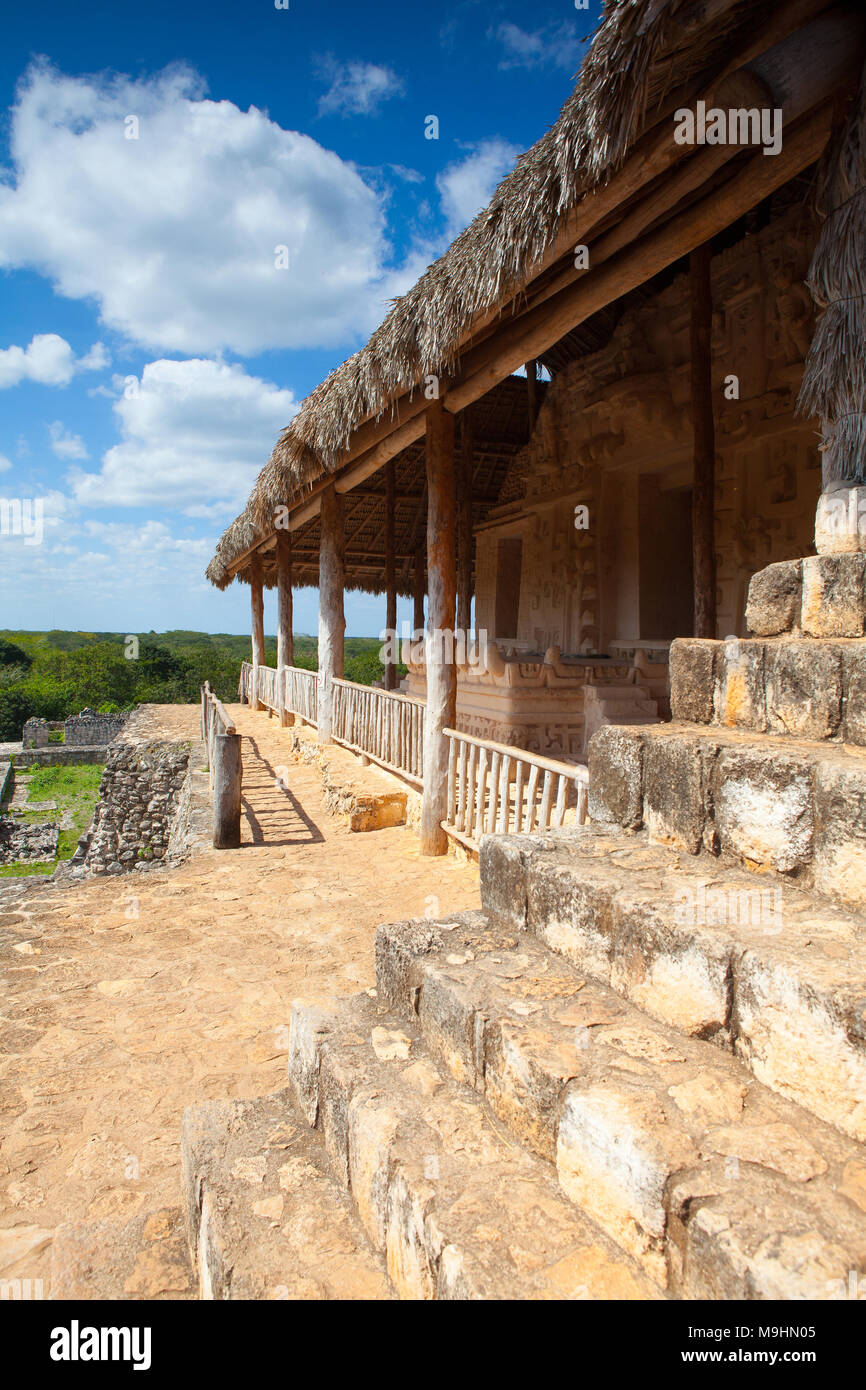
(465, 186)
(5, 464)
(48, 359)
(356, 89)
(176, 232)
(65, 444)
(194, 435)
(555, 45)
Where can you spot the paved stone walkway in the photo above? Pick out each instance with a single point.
(126, 999)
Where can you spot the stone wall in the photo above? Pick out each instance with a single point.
(138, 799)
(88, 729)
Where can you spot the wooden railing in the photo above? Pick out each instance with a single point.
(382, 725)
(496, 789)
(266, 687)
(302, 691)
(262, 685)
(225, 765)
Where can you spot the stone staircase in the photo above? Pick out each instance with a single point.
(640, 1070)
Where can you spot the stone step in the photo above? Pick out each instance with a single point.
(795, 809)
(776, 975)
(458, 1208)
(264, 1217)
(145, 1257)
(720, 1188)
(786, 687)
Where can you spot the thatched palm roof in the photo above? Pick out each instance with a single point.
(642, 50)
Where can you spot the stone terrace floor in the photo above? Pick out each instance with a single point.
(126, 999)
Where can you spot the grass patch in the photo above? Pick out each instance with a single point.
(75, 788)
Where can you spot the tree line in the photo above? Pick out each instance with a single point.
(50, 675)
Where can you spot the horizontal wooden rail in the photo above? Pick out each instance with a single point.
(494, 788)
(225, 765)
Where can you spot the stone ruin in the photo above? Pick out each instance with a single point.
(89, 729)
(640, 1070)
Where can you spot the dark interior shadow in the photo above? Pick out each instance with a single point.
(312, 835)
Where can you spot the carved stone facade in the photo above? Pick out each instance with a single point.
(596, 510)
(614, 436)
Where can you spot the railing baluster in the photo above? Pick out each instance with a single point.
(490, 821)
(504, 778)
(518, 794)
(529, 817)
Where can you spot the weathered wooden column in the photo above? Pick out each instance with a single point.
(332, 622)
(390, 575)
(464, 522)
(704, 484)
(441, 708)
(257, 606)
(285, 637)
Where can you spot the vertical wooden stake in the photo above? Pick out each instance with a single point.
(285, 636)
(532, 392)
(227, 776)
(257, 605)
(704, 486)
(390, 577)
(464, 522)
(332, 623)
(441, 709)
(418, 586)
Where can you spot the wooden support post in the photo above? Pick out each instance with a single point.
(257, 605)
(285, 637)
(227, 776)
(390, 577)
(418, 586)
(441, 709)
(332, 623)
(464, 522)
(532, 392)
(704, 484)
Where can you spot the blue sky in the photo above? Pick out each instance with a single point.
(153, 340)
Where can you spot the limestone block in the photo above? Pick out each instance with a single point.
(840, 838)
(834, 600)
(502, 862)
(773, 603)
(840, 521)
(573, 914)
(674, 802)
(854, 682)
(763, 808)
(615, 777)
(691, 674)
(616, 1151)
(803, 688)
(739, 697)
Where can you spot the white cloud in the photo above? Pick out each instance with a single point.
(556, 45)
(194, 435)
(408, 175)
(465, 186)
(65, 444)
(175, 233)
(48, 359)
(356, 89)
(5, 464)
